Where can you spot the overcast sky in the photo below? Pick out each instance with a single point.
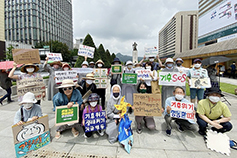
(117, 24)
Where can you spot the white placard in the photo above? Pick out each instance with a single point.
(172, 78)
(83, 70)
(200, 82)
(144, 74)
(86, 51)
(151, 52)
(62, 75)
(54, 56)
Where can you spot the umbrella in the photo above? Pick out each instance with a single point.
(4, 65)
(215, 60)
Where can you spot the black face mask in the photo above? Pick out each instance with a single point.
(179, 64)
(91, 66)
(115, 95)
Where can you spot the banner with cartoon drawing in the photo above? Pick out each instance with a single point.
(30, 136)
(200, 82)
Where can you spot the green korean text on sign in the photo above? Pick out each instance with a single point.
(129, 78)
(116, 69)
(66, 115)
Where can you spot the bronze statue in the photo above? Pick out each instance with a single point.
(134, 46)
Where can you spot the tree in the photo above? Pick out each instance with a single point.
(113, 56)
(9, 53)
(109, 57)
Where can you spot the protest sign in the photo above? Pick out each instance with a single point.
(129, 78)
(30, 136)
(147, 104)
(85, 96)
(151, 52)
(116, 69)
(34, 85)
(200, 82)
(54, 56)
(144, 74)
(83, 70)
(62, 75)
(86, 51)
(172, 78)
(25, 56)
(64, 115)
(182, 110)
(100, 73)
(101, 78)
(95, 121)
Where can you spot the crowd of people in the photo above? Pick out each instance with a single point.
(210, 111)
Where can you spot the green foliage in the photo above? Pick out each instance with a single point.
(9, 53)
(105, 56)
(228, 88)
(112, 57)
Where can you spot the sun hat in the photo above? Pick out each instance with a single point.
(93, 97)
(214, 90)
(23, 68)
(169, 60)
(28, 98)
(89, 76)
(129, 63)
(92, 62)
(67, 83)
(56, 63)
(179, 59)
(116, 60)
(99, 61)
(66, 64)
(85, 63)
(196, 60)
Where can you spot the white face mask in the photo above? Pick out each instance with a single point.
(100, 65)
(27, 105)
(151, 59)
(214, 99)
(129, 66)
(89, 82)
(30, 69)
(66, 68)
(197, 65)
(148, 67)
(179, 96)
(93, 104)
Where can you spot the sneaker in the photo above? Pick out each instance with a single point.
(168, 132)
(179, 128)
(10, 101)
(85, 135)
(101, 133)
(139, 131)
(202, 133)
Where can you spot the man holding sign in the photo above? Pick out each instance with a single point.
(170, 113)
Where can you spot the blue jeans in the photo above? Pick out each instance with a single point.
(8, 95)
(227, 126)
(196, 92)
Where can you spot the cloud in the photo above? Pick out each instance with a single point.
(118, 23)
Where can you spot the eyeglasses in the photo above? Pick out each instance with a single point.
(69, 88)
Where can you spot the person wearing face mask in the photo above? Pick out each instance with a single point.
(115, 78)
(178, 95)
(113, 115)
(167, 91)
(196, 72)
(92, 106)
(29, 71)
(156, 66)
(214, 112)
(149, 120)
(69, 96)
(101, 91)
(51, 68)
(29, 110)
(66, 67)
(92, 64)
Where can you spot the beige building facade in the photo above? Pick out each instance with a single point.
(179, 34)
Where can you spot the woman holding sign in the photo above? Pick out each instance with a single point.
(68, 96)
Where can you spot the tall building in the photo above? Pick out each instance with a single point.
(2, 32)
(33, 21)
(179, 34)
(217, 21)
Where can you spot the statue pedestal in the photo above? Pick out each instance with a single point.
(134, 57)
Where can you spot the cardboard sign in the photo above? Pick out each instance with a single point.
(144, 74)
(147, 104)
(100, 73)
(172, 78)
(62, 75)
(182, 110)
(129, 78)
(86, 51)
(63, 115)
(34, 85)
(54, 56)
(30, 136)
(151, 52)
(101, 83)
(25, 56)
(95, 121)
(200, 82)
(116, 69)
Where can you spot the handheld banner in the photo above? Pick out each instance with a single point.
(25, 56)
(182, 110)
(129, 78)
(62, 75)
(95, 121)
(30, 136)
(116, 69)
(172, 78)
(86, 51)
(147, 104)
(83, 70)
(101, 78)
(54, 56)
(151, 52)
(200, 82)
(64, 115)
(144, 74)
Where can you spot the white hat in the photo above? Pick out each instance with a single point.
(92, 62)
(67, 83)
(89, 76)
(169, 60)
(28, 98)
(85, 63)
(129, 62)
(179, 59)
